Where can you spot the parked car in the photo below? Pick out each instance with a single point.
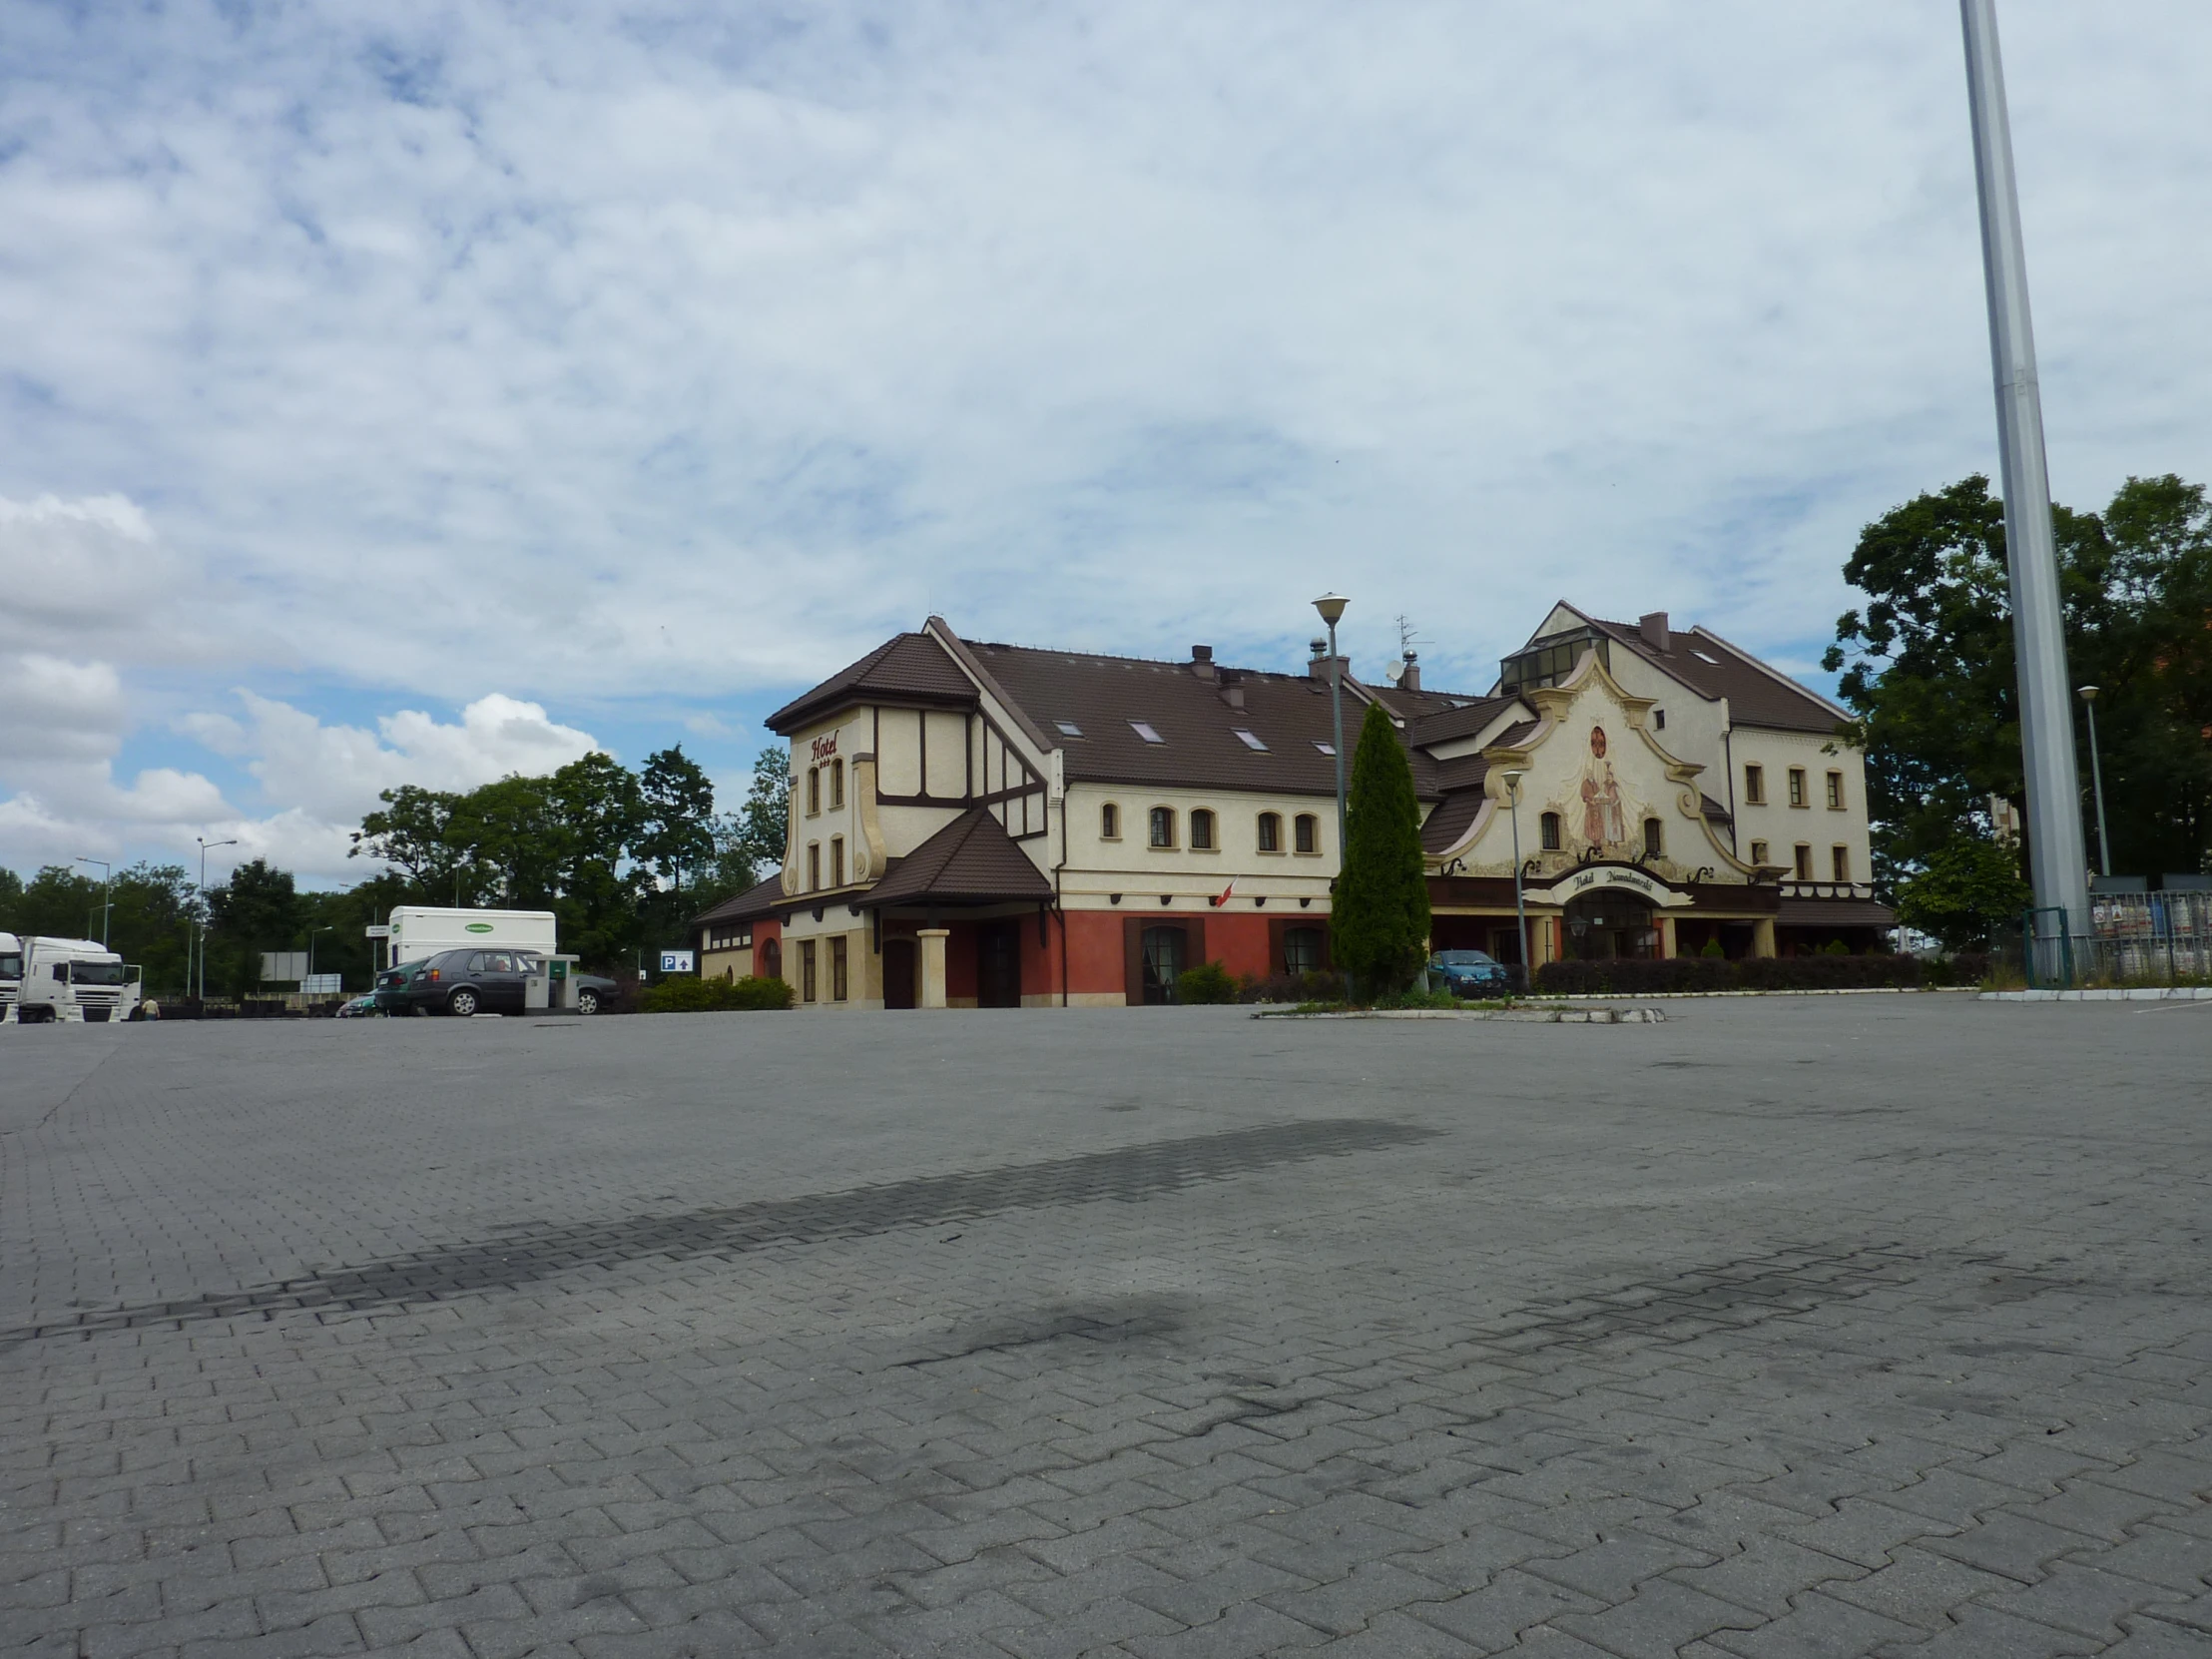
(457, 982)
(1472, 973)
(596, 993)
(358, 1007)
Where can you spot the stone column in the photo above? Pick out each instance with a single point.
(930, 992)
(1666, 936)
(1762, 936)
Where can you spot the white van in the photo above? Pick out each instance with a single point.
(418, 932)
(75, 979)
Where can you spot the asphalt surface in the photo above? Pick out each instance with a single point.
(1820, 1326)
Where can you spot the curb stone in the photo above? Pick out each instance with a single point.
(1523, 1016)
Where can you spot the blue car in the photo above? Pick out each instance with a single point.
(1472, 973)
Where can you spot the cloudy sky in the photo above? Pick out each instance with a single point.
(423, 392)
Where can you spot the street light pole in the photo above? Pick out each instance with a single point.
(1331, 606)
(312, 932)
(202, 919)
(1520, 909)
(2096, 779)
(106, 905)
(2057, 864)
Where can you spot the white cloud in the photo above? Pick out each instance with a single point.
(586, 354)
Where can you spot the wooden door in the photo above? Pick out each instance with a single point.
(898, 974)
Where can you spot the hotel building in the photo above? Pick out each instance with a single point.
(977, 824)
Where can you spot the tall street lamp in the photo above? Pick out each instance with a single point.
(310, 948)
(106, 905)
(204, 843)
(2097, 778)
(1331, 606)
(1520, 909)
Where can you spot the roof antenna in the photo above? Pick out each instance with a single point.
(1402, 672)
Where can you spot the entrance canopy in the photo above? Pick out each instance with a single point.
(971, 861)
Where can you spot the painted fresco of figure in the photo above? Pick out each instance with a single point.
(1603, 824)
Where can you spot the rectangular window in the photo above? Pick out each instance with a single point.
(1109, 823)
(1840, 858)
(838, 985)
(1804, 862)
(1659, 719)
(1796, 785)
(1202, 830)
(1758, 853)
(1163, 826)
(1653, 846)
(813, 791)
(1144, 730)
(836, 861)
(1251, 740)
(1308, 830)
(814, 867)
(806, 970)
(837, 782)
(1835, 790)
(1755, 785)
(1271, 832)
(1548, 829)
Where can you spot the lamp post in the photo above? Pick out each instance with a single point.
(106, 905)
(1330, 607)
(204, 843)
(2097, 779)
(2056, 858)
(1521, 909)
(312, 932)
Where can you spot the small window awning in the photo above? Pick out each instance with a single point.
(971, 861)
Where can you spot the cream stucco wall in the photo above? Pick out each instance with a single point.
(1098, 866)
(1818, 825)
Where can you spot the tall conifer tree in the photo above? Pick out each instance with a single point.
(1380, 921)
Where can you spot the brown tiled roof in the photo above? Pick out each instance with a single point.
(1199, 746)
(909, 668)
(1464, 721)
(1714, 811)
(762, 899)
(1757, 695)
(1449, 821)
(971, 861)
(1415, 704)
(1833, 912)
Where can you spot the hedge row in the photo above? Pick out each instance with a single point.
(686, 996)
(1713, 973)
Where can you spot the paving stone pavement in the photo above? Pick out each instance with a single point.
(1826, 1326)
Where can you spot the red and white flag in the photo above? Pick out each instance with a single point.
(1223, 901)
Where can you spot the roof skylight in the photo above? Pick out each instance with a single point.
(1705, 656)
(1144, 730)
(1068, 728)
(1250, 740)
(1324, 748)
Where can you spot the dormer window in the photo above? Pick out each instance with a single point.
(1068, 728)
(1250, 740)
(1144, 730)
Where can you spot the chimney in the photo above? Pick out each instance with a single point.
(1319, 665)
(1410, 679)
(1202, 661)
(1654, 630)
(1231, 693)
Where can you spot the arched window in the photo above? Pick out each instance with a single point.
(771, 959)
(1109, 823)
(1549, 828)
(1163, 826)
(1271, 832)
(1307, 828)
(837, 782)
(836, 861)
(1202, 830)
(1654, 837)
(813, 791)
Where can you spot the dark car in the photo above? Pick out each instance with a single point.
(458, 982)
(1472, 973)
(595, 993)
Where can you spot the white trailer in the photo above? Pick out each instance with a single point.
(418, 931)
(75, 980)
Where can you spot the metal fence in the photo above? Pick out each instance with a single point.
(2146, 939)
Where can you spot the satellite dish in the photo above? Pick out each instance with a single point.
(1397, 671)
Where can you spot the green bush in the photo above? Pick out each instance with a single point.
(703, 997)
(1395, 1000)
(1207, 983)
(1712, 948)
(1821, 971)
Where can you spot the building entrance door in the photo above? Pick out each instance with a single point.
(998, 964)
(1610, 923)
(1162, 964)
(898, 974)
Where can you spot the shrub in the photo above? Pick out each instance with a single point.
(1712, 948)
(1295, 988)
(1706, 973)
(698, 996)
(1418, 999)
(1204, 984)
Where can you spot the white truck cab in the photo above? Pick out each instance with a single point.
(11, 972)
(74, 980)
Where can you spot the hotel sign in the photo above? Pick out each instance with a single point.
(1599, 876)
(826, 746)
